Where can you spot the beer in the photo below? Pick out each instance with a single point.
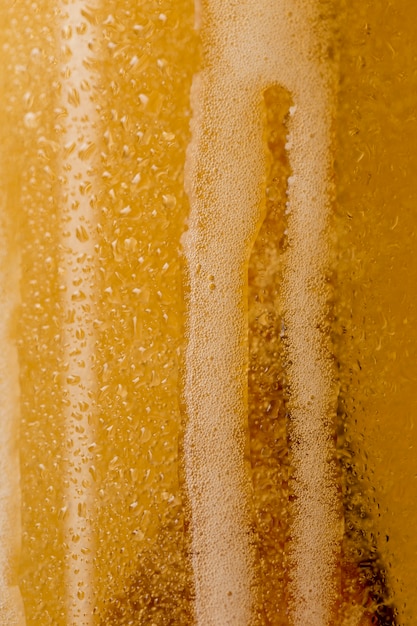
(208, 313)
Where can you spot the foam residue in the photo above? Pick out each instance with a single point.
(247, 48)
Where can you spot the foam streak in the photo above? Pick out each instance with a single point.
(316, 528)
(217, 478)
(248, 47)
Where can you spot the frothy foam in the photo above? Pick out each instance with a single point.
(248, 47)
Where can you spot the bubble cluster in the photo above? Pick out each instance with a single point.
(247, 48)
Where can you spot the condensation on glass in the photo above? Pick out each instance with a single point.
(207, 223)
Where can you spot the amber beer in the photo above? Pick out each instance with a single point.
(208, 219)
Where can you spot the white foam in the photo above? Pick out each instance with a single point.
(249, 46)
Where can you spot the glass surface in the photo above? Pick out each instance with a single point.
(207, 282)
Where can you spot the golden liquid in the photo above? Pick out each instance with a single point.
(93, 254)
(375, 161)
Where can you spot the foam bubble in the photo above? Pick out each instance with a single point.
(248, 47)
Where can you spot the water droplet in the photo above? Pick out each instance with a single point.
(73, 380)
(31, 120)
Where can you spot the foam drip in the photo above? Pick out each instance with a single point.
(247, 48)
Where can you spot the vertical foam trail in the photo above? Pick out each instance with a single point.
(316, 527)
(248, 47)
(79, 138)
(11, 605)
(216, 246)
(316, 510)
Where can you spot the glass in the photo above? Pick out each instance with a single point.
(208, 315)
